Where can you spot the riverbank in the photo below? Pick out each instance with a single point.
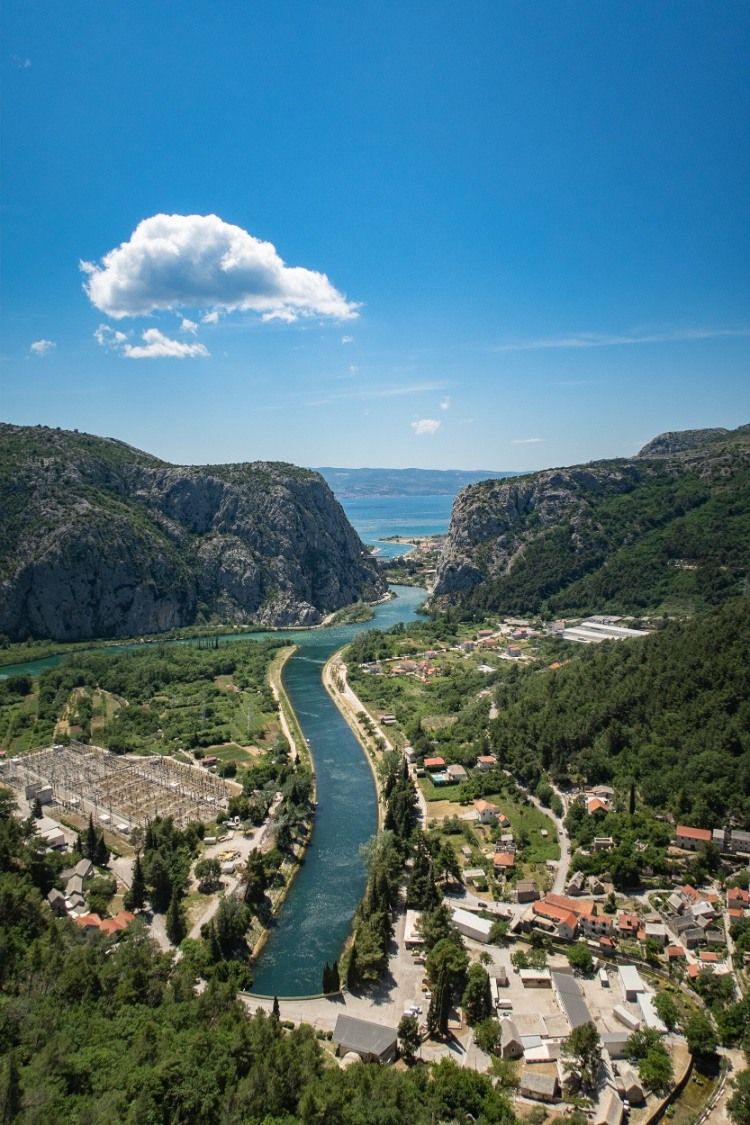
(350, 707)
(297, 744)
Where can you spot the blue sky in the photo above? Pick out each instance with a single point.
(500, 235)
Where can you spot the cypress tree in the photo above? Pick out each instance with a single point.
(138, 886)
(335, 978)
(175, 921)
(276, 1008)
(90, 842)
(352, 970)
(326, 978)
(101, 851)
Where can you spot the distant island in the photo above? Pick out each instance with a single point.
(356, 484)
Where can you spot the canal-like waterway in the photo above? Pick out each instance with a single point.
(315, 920)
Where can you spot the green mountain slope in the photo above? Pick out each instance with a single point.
(671, 711)
(667, 530)
(98, 539)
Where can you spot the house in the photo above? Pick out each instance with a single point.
(676, 903)
(721, 838)
(656, 931)
(88, 922)
(373, 1042)
(739, 843)
(56, 899)
(738, 899)
(511, 1046)
(387, 719)
(486, 762)
(539, 1087)
(691, 839)
(628, 925)
(595, 805)
(610, 1110)
(535, 978)
(575, 884)
(513, 651)
(486, 812)
(562, 923)
(434, 763)
(118, 924)
(526, 890)
(504, 861)
(603, 843)
(675, 953)
(412, 932)
(581, 907)
(595, 886)
(456, 773)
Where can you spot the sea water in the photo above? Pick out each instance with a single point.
(375, 518)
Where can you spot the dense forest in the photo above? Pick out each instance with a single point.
(671, 711)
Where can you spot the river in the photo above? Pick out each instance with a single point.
(315, 920)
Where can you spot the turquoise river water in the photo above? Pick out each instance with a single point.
(315, 920)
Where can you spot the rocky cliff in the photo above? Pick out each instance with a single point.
(621, 535)
(98, 539)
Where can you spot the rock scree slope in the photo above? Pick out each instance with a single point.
(98, 539)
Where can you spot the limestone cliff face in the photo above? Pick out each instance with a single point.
(666, 527)
(101, 540)
(493, 521)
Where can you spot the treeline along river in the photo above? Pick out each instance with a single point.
(315, 920)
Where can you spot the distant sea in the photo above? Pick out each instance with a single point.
(374, 518)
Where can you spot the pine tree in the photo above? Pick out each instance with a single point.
(631, 799)
(10, 1090)
(175, 921)
(37, 810)
(138, 886)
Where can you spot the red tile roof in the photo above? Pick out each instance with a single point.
(504, 859)
(706, 956)
(693, 833)
(434, 763)
(555, 914)
(674, 951)
(579, 907)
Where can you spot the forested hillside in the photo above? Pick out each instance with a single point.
(671, 711)
(667, 530)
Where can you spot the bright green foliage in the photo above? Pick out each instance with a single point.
(581, 1053)
(646, 1049)
(666, 1009)
(487, 1035)
(408, 1036)
(700, 1035)
(580, 957)
(739, 1103)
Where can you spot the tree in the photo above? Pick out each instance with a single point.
(89, 843)
(208, 873)
(10, 1089)
(161, 882)
(256, 879)
(276, 1010)
(232, 921)
(580, 958)
(581, 1053)
(739, 1103)
(138, 886)
(666, 1009)
(477, 997)
(408, 1036)
(646, 1049)
(487, 1035)
(700, 1035)
(37, 811)
(101, 851)
(175, 923)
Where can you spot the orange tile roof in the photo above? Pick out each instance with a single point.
(504, 859)
(706, 956)
(675, 951)
(693, 833)
(734, 913)
(555, 913)
(85, 920)
(111, 926)
(628, 921)
(595, 805)
(431, 763)
(736, 894)
(580, 907)
(694, 971)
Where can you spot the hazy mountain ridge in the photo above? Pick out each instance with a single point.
(99, 539)
(669, 525)
(352, 484)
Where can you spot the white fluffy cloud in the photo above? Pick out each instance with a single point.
(426, 426)
(41, 347)
(199, 261)
(155, 345)
(188, 326)
(158, 346)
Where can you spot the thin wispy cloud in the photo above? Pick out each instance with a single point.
(397, 390)
(446, 403)
(425, 426)
(41, 347)
(198, 262)
(612, 340)
(526, 440)
(347, 339)
(21, 62)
